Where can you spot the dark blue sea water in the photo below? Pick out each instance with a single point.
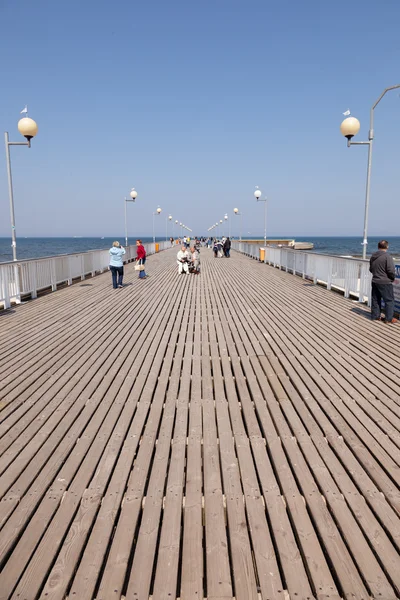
(39, 247)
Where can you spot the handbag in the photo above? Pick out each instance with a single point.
(139, 267)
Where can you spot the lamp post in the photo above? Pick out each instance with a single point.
(239, 214)
(169, 218)
(28, 128)
(157, 212)
(349, 128)
(176, 223)
(258, 195)
(133, 196)
(226, 219)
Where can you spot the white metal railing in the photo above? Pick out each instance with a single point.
(348, 275)
(28, 277)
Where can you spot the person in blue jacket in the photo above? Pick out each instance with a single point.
(116, 264)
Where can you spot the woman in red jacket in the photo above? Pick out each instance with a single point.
(141, 257)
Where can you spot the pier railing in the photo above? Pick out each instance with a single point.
(27, 277)
(350, 276)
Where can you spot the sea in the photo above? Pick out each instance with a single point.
(39, 247)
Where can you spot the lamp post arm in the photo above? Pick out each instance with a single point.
(20, 144)
(371, 120)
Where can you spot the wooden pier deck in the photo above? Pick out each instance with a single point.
(229, 435)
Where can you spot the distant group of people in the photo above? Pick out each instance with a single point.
(222, 248)
(117, 262)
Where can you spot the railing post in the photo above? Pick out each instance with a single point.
(6, 289)
(17, 284)
(69, 280)
(33, 278)
(315, 278)
(347, 280)
(53, 275)
(329, 278)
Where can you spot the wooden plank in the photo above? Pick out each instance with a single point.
(192, 563)
(168, 557)
(217, 557)
(192, 583)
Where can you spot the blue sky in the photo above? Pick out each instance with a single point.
(194, 104)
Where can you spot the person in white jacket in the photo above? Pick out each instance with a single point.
(183, 258)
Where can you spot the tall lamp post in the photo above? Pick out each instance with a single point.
(239, 214)
(28, 128)
(229, 223)
(157, 212)
(258, 195)
(349, 128)
(133, 196)
(176, 223)
(169, 218)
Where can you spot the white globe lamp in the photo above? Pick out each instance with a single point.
(28, 128)
(350, 127)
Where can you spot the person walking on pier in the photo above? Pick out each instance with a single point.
(116, 264)
(227, 248)
(383, 272)
(141, 258)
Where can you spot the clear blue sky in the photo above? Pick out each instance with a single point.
(195, 103)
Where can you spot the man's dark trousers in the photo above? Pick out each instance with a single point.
(382, 291)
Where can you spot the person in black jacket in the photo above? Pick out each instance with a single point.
(383, 272)
(227, 247)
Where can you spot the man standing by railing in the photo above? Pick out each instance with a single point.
(383, 272)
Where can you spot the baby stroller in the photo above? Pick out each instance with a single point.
(192, 268)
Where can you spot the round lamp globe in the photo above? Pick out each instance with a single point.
(27, 127)
(350, 127)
